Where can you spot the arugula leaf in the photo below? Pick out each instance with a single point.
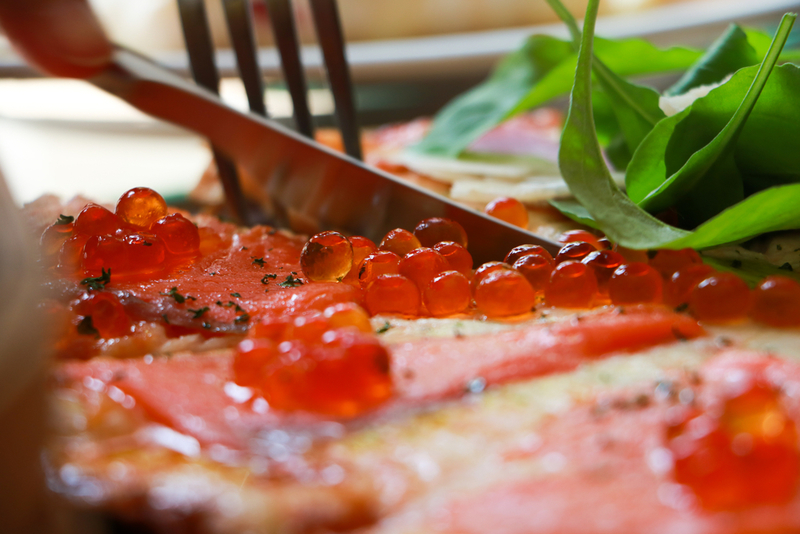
(475, 112)
(699, 160)
(729, 53)
(635, 107)
(541, 70)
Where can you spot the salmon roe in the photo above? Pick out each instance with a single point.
(141, 207)
(668, 262)
(392, 293)
(326, 257)
(376, 264)
(635, 283)
(720, 298)
(131, 255)
(536, 269)
(504, 292)
(53, 238)
(744, 457)
(399, 241)
(776, 302)
(447, 294)
(509, 210)
(362, 247)
(437, 229)
(603, 263)
(487, 268)
(421, 265)
(523, 250)
(574, 251)
(572, 285)
(458, 258)
(679, 287)
(105, 313)
(179, 235)
(348, 315)
(97, 220)
(572, 236)
(344, 375)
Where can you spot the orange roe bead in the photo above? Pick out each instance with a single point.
(458, 258)
(523, 250)
(437, 229)
(536, 269)
(308, 327)
(326, 257)
(210, 241)
(392, 293)
(141, 206)
(668, 262)
(69, 257)
(345, 376)
(632, 255)
(53, 238)
(179, 235)
(376, 264)
(776, 302)
(745, 457)
(126, 256)
(362, 247)
(575, 251)
(347, 315)
(572, 236)
(249, 363)
(447, 294)
(97, 220)
(635, 283)
(572, 285)
(603, 263)
(487, 268)
(504, 292)
(604, 244)
(720, 298)
(509, 210)
(678, 288)
(421, 265)
(399, 241)
(107, 314)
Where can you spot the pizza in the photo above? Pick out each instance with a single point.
(212, 378)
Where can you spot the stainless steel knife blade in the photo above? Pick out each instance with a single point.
(308, 186)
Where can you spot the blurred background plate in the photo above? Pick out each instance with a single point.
(65, 137)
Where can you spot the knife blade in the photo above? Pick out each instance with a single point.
(307, 187)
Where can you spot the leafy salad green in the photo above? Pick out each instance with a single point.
(727, 167)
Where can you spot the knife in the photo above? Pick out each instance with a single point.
(308, 187)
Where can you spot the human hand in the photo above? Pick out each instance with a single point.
(60, 37)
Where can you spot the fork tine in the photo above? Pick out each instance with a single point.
(283, 28)
(331, 40)
(240, 28)
(197, 35)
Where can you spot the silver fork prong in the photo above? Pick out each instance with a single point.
(197, 36)
(285, 33)
(331, 40)
(240, 28)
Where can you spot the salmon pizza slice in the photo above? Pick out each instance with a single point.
(212, 378)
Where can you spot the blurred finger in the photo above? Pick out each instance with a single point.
(61, 37)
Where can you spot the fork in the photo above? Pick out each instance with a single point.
(194, 21)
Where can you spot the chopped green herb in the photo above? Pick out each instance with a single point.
(385, 328)
(736, 264)
(238, 308)
(236, 295)
(778, 247)
(86, 327)
(243, 248)
(198, 312)
(99, 282)
(219, 303)
(268, 277)
(786, 267)
(242, 318)
(147, 244)
(180, 299)
(164, 316)
(207, 326)
(64, 219)
(258, 261)
(291, 281)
